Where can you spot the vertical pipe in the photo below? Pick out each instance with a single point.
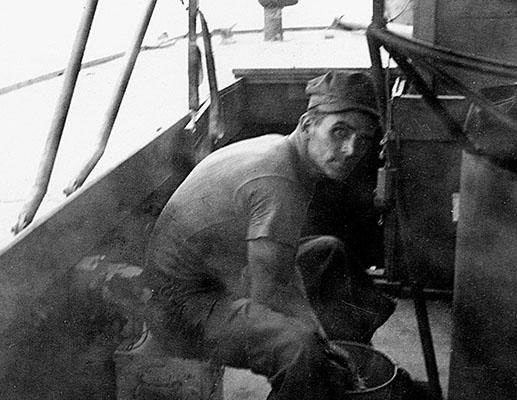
(419, 300)
(273, 24)
(379, 78)
(193, 57)
(58, 122)
(378, 13)
(116, 100)
(378, 74)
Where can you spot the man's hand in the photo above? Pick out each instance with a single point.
(342, 371)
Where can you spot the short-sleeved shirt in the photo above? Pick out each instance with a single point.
(256, 188)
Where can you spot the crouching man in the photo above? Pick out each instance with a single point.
(229, 271)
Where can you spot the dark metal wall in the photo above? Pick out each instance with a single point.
(427, 159)
(481, 27)
(484, 343)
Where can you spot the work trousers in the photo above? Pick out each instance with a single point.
(294, 357)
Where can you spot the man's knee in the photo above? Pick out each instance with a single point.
(317, 249)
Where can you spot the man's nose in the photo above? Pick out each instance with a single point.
(348, 146)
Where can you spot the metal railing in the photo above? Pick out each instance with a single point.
(215, 129)
(46, 165)
(71, 73)
(114, 106)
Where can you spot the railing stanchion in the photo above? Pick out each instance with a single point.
(58, 122)
(194, 64)
(116, 100)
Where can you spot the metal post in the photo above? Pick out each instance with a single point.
(58, 122)
(112, 111)
(379, 79)
(378, 74)
(193, 57)
(419, 300)
(273, 24)
(378, 13)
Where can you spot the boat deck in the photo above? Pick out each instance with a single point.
(157, 97)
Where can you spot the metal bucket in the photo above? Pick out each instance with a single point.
(376, 369)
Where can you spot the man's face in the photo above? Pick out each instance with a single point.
(337, 142)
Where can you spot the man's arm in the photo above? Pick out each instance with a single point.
(273, 276)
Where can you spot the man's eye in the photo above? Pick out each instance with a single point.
(341, 133)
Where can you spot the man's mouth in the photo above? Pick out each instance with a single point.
(342, 167)
(341, 164)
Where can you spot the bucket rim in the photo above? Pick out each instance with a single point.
(371, 348)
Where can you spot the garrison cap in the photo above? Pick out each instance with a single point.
(339, 91)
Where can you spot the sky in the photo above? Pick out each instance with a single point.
(36, 36)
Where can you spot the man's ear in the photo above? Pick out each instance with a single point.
(305, 123)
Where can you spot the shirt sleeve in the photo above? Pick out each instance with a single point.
(276, 208)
